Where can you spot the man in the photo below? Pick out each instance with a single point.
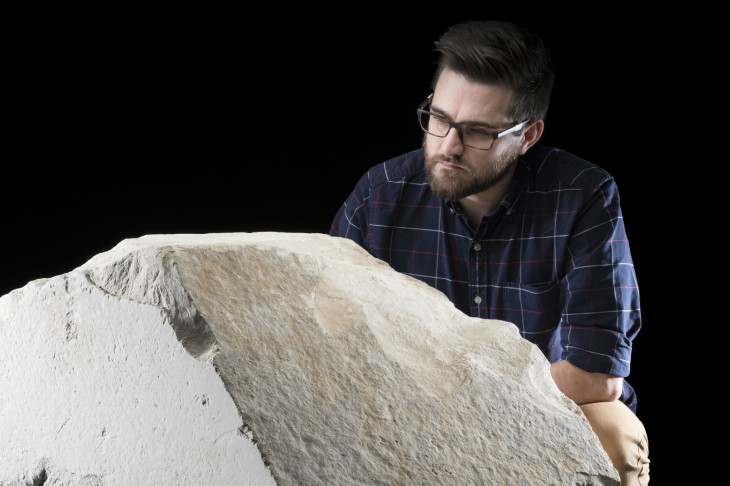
(511, 229)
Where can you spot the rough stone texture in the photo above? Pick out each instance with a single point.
(272, 358)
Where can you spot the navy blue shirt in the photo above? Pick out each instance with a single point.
(553, 258)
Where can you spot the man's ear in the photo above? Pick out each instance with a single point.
(532, 134)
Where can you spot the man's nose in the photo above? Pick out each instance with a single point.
(453, 143)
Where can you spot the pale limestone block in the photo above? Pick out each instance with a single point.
(254, 358)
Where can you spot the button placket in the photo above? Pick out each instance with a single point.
(477, 248)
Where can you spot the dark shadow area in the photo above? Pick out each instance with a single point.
(122, 130)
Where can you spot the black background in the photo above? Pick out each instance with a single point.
(186, 122)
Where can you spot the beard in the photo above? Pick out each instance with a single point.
(468, 179)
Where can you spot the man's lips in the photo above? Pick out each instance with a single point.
(449, 165)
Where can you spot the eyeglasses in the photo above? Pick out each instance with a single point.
(471, 135)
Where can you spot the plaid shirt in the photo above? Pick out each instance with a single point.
(552, 258)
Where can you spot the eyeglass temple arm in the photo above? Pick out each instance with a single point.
(515, 128)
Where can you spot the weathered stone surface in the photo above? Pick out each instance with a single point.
(203, 359)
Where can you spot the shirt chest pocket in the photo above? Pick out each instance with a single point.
(534, 308)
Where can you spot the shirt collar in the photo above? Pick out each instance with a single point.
(511, 200)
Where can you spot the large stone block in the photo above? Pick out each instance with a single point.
(272, 358)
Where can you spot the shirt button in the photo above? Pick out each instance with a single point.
(478, 299)
(477, 247)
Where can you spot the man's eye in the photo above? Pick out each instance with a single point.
(440, 119)
(477, 131)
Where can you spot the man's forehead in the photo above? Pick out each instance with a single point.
(465, 100)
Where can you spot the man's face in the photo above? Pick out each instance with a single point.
(454, 170)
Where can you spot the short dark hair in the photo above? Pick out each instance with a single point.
(502, 53)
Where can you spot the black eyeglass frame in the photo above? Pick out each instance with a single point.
(452, 124)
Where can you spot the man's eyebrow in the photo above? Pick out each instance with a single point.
(478, 123)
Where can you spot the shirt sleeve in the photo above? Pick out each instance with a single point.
(350, 221)
(601, 312)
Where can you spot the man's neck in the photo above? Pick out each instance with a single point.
(481, 203)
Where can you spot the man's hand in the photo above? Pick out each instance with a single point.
(583, 387)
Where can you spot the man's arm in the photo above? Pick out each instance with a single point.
(601, 313)
(350, 221)
(584, 387)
